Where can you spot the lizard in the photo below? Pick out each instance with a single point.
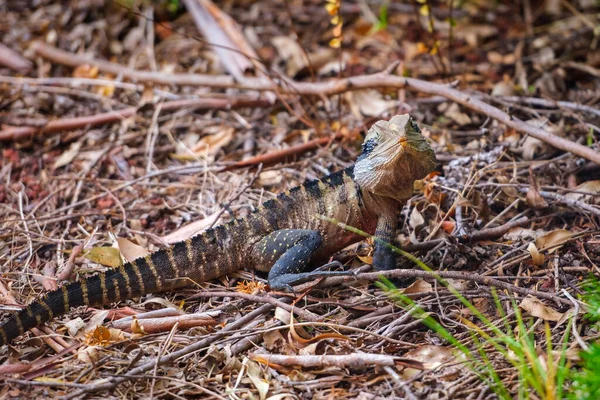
(281, 237)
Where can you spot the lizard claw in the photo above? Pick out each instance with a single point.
(330, 265)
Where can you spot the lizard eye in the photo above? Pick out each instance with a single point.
(414, 125)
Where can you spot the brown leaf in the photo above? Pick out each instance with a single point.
(431, 357)
(67, 156)
(591, 187)
(552, 239)
(130, 250)
(368, 103)
(538, 259)
(510, 191)
(454, 113)
(86, 71)
(418, 286)
(416, 219)
(192, 229)
(538, 309)
(291, 53)
(534, 199)
(211, 144)
(368, 259)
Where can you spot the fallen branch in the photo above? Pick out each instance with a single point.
(417, 273)
(164, 324)
(304, 314)
(331, 87)
(280, 155)
(111, 382)
(484, 234)
(68, 124)
(535, 101)
(353, 360)
(13, 60)
(564, 200)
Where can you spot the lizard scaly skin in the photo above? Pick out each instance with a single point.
(281, 237)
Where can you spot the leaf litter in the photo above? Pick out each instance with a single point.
(157, 177)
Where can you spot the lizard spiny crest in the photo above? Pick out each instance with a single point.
(395, 154)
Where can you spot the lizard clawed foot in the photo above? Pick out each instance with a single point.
(284, 282)
(330, 265)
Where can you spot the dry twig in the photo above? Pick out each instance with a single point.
(336, 86)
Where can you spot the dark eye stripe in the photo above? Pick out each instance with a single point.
(415, 126)
(368, 146)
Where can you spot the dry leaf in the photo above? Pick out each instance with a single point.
(416, 219)
(534, 147)
(211, 144)
(88, 355)
(431, 357)
(290, 51)
(460, 285)
(510, 191)
(552, 239)
(86, 71)
(130, 250)
(473, 33)
(107, 90)
(275, 342)
(418, 286)
(285, 317)
(536, 308)
(368, 103)
(106, 255)
(591, 187)
(368, 259)
(102, 336)
(453, 112)
(74, 325)
(534, 199)
(136, 327)
(96, 320)
(254, 372)
(482, 304)
(519, 233)
(269, 178)
(503, 88)
(192, 229)
(538, 259)
(67, 156)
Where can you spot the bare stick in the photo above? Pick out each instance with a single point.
(417, 273)
(484, 234)
(114, 381)
(14, 60)
(67, 124)
(335, 86)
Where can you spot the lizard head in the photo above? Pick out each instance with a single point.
(394, 155)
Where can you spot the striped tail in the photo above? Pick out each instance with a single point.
(153, 273)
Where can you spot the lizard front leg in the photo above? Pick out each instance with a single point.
(286, 253)
(384, 259)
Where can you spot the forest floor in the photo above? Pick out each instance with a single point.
(123, 127)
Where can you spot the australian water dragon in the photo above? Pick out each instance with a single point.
(280, 237)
